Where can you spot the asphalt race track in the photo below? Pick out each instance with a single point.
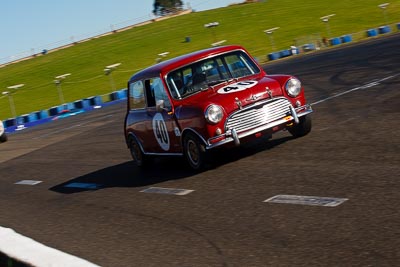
(352, 153)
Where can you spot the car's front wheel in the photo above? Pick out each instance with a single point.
(302, 128)
(194, 151)
(137, 153)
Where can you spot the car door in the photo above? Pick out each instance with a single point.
(162, 130)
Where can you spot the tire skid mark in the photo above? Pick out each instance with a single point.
(362, 87)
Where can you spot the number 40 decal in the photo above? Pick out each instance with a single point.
(160, 131)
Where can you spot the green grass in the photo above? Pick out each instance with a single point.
(139, 47)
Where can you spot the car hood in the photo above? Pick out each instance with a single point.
(235, 94)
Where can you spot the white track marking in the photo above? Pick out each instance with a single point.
(307, 200)
(26, 250)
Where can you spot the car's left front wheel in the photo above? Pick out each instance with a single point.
(302, 128)
(194, 151)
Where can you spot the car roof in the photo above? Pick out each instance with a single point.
(171, 64)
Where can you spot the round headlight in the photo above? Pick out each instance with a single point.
(214, 114)
(293, 87)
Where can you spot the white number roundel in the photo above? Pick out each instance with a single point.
(160, 131)
(236, 87)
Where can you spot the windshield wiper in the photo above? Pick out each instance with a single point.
(213, 83)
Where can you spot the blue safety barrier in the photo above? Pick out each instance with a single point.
(124, 93)
(31, 117)
(335, 41)
(346, 38)
(67, 107)
(21, 119)
(384, 29)
(117, 95)
(274, 56)
(95, 100)
(372, 32)
(81, 104)
(62, 111)
(10, 122)
(56, 110)
(285, 53)
(42, 114)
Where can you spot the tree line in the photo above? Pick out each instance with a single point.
(166, 7)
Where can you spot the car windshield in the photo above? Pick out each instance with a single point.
(209, 72)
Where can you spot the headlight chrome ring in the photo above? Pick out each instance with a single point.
(214, 114)
(293, 87)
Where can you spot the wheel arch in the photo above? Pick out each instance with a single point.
(131, 136)
(193, 131)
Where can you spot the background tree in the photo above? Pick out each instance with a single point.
(165, 7)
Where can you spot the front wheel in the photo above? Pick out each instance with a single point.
(194, 152)
(302, 128)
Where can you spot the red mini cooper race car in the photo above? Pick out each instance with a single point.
(210, 98)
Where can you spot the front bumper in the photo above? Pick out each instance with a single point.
(288, 114)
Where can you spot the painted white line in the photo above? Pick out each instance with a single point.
(307, 200)
(168, 191)
(29, 251)
(28, 182)
(365, 86)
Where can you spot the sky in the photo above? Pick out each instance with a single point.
(29, 26)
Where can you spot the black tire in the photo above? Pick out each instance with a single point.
(302, 128)
(3, 138)
(137, 153)
(194, 152)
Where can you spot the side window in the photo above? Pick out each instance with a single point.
(155, 91)
(136, 95)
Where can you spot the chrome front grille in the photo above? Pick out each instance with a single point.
(258, 115)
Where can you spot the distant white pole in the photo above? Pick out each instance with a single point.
(11, 102)
(383, 7)
(58, 81)
(11, 99)
(108, 71)
(325, 19)
(211, 26)
(269, 33)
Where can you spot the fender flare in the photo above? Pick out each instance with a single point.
(191, 130)
(133, 136)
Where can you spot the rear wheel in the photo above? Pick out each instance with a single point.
(302, 128)
(194, 151)
(137, 153)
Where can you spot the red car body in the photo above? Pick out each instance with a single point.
(206, 99)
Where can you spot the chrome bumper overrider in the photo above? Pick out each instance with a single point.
(232, 135)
